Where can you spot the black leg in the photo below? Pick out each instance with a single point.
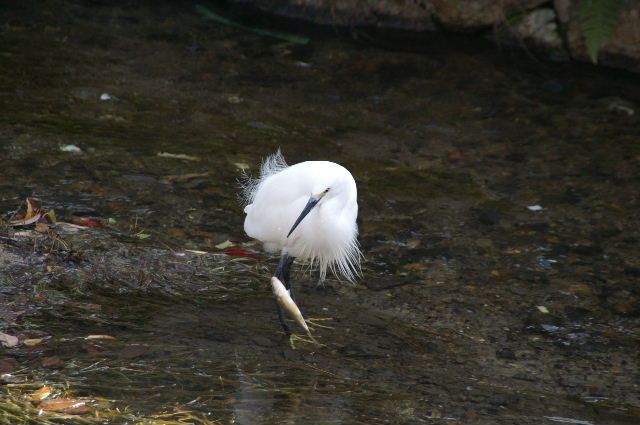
(283, 272)
(286, 274)
(285, 326)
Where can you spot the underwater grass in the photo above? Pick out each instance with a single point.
(18, 408)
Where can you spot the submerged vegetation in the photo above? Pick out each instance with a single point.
(38, 404)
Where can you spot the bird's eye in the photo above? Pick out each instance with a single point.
(326, 190)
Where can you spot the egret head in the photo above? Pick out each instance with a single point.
(330, 185)
(313, 201)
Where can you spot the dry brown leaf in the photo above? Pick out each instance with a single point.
(32, 209)
(41, 394)
(79, 410)
(25, 222)
(32, 342)
(178, 156)
(183, 178)
(225, 244)
(8, 340)
(100, 337)
(70, 406)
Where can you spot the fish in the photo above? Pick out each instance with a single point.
(286, 302)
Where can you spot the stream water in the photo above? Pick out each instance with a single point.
(474, 307)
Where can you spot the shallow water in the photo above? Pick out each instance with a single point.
(449, 140)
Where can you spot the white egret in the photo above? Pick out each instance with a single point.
(307, 211)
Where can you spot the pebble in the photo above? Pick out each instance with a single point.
(70, 148)
(543, 309)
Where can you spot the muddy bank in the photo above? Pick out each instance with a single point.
(499, 224)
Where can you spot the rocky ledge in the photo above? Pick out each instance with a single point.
(555, 27)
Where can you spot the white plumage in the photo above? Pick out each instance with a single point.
(327, 236)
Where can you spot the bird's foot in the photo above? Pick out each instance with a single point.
(295, 338)
(314, 322)
(285, 327)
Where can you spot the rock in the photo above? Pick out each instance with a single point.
(621, 50)
(415, 15)
(539, 27)
(552, 29)
(506, 353)
(471, 14)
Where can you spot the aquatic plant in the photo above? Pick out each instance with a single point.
(598, 19)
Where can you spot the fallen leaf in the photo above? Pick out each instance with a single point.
(86, 222)
(100, 337)
(178, 156)
(225, 244)
(8, 340)
(33, 214)
(182, 178)
(26, 222)
(79, 410)
(41, 394)
(51, 216)
(70, 406)
(240, 252)
(32, 209)
(32, 342)
(40, 297)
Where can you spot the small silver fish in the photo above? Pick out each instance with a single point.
(284, 299)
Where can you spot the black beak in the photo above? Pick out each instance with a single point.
(307, 209)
